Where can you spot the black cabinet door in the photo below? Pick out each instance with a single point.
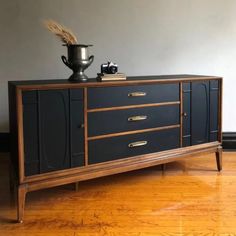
(214, 110)
(53, 130)
(200, 112)
(186, 114)
(77, 127)
(31, 135)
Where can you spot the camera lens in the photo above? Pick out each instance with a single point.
(113, 69)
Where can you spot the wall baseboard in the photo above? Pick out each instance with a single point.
(229, 141)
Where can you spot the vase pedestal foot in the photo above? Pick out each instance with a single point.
(78, 77)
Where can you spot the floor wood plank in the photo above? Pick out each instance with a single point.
(189, 198)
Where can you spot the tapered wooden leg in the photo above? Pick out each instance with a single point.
(11, 180)
(21, 203)
(163, 167)
(219, 158)
(77, 186)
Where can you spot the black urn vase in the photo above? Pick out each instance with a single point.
(78, 60)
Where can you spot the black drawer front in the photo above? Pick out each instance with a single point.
(106, 122)
(122, 96)
(118, 147)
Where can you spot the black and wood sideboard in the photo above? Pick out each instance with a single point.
(63, 132)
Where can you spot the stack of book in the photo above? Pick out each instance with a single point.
(111, 77)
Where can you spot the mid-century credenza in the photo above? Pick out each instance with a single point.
(63, 132)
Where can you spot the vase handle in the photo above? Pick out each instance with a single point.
(91, 58)
(65, 61)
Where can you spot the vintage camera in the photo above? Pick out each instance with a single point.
(109, 68)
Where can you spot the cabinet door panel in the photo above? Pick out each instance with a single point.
(214, 104)
(77, 127)
(186, 114)
(200, 112)
(54, 130)
(30, 126)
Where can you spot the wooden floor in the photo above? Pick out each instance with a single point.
(189, 198)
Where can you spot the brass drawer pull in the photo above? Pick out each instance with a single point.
(137, 94)
(137, 118)
(137, 144)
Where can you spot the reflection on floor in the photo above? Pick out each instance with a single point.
(189, 198)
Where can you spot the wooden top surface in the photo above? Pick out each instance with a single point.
(63, 83)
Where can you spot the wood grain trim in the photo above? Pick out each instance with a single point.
(19, 108)
(85, 127)
(116, 166)
(114, 83)
(133, 132)
(134, 106)
(181, 113)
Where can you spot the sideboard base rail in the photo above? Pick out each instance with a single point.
(115, 167)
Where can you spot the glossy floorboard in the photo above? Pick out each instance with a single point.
(189, 198)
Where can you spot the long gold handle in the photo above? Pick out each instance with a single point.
(137, 118)
(137, 144)
(137, 94)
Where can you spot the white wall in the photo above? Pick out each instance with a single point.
(144, 37)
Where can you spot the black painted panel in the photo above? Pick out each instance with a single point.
(54, 130)
(77, 128)
(213, 136)
(214, 93)
(30, 128)
(214, 84)
(186, 141)
(118, 96)
(77, 159)
(117, 147)
(186, 114)
(76, 94)
(200, 112)
(117, 121)
(29, 97)
(186, 87)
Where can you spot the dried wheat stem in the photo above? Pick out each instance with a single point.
(65, 34)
